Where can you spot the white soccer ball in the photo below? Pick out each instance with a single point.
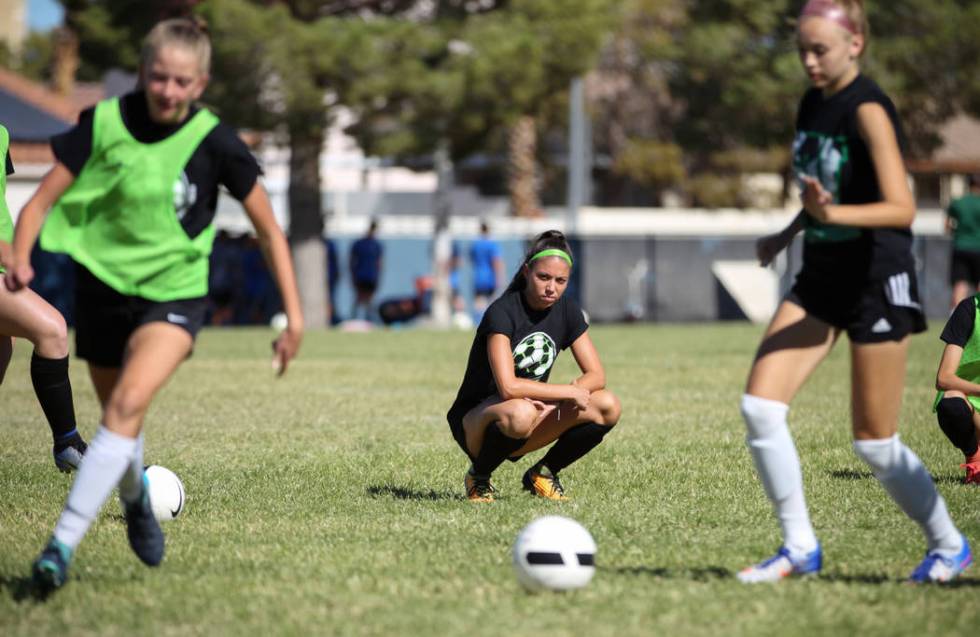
(279, 321)
(462, 321)
(554, 553)
(166, 493)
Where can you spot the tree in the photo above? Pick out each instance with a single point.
(720, 79)
(632, 104)
(470, 78)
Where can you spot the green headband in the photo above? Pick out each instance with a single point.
(552, 252)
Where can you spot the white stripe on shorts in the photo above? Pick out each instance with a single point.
(898, 290)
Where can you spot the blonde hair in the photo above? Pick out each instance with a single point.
(190, 33)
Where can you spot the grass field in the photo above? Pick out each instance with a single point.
(330, 502)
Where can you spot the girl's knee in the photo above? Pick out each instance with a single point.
(126, 403)
(51, 336)
(518, 419)
(608, 406)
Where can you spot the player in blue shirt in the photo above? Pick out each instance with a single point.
(488, 267)
(365, 269)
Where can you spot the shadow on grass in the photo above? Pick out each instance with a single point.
(711, 573)
(21, 589)
(851, 474)
(949, 479)
(405, 493)
(962, 582)
(702, 574)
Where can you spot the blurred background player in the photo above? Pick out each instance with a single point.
(958, 382)
(858, 276)
(365, 270)
(505, 407)
(134, 189)
(963, 221)
(488, 270)
(27, 315)
(333, 278)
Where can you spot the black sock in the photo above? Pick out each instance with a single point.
(53, 389)
(956, 421)
(496, 448)
(573, 444)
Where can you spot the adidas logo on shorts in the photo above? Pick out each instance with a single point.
(881, 326)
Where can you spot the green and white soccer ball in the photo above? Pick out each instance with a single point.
(534, 355)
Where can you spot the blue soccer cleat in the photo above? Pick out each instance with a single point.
(142, 528)
(50, 570)
(936, 568)
(781, 565)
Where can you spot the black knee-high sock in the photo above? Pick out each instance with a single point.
(496, 448)
(573, 444)
(53, 389)
(956, 421)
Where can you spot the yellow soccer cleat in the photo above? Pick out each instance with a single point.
(545, 485)
(479, 489)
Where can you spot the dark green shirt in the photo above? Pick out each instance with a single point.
(966, 212)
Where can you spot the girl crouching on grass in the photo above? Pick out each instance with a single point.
(505, 407)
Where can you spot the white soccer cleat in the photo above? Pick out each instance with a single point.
(782, 565)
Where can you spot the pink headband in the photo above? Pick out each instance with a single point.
(831, 11)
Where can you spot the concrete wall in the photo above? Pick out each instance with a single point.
(679, 284)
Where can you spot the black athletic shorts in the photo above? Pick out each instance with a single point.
(964, 265)
(105, 319)
(459, 435)
(456, 427)
(869, 311)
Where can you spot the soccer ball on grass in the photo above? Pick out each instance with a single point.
(554, 553)
(167, 496)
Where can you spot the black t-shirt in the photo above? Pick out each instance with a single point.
(10, 165)
(959, 327)
(829, 147)
(536, 337)
(222, 158)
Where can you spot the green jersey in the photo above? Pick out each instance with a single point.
(966, 212)
(6, 221)
(969, 367)
(119, 217)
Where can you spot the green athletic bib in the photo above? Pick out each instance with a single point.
(118, 218)
(6, 222)
(969, 367)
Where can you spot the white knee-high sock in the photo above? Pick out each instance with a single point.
(105, 460)
(778, 465)
(909, 484)
(131, 483)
